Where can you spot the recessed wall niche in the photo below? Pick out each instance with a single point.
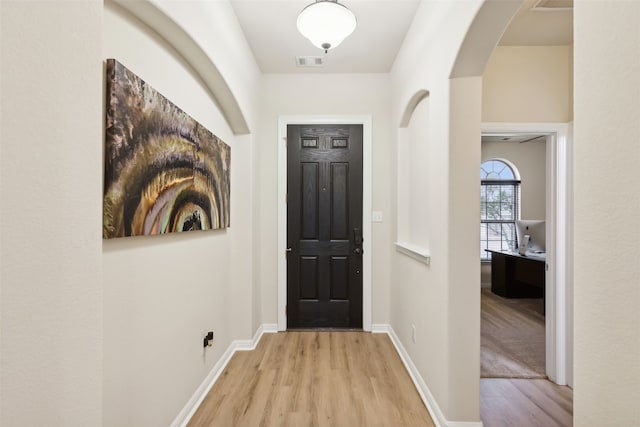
(414, 177)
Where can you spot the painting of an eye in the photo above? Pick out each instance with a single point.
(164, 172)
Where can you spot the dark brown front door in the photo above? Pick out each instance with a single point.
(324, 229)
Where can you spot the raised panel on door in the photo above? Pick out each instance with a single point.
(309, 198)
(339, 276)
(340, 201)
(308, 277)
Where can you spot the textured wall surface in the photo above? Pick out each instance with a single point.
(528, 84)
(50, 186)
(163, 293)
(607, 202)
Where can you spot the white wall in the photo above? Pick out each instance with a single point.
(163, 293)
(315, 94)
(51, 271)
(110, 333)
(607, 202)
(464, 268)
(442, 299)
(528, 84)
(50, 218)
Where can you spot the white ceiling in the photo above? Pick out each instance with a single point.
(270, 29)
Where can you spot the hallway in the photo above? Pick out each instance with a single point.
(109, 332)
(355, 379)
(315, 379)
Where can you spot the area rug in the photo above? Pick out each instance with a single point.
(512, 343)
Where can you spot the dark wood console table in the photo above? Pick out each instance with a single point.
(517, 276)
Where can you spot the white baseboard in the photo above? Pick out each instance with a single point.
(238, 345)
(380, 328)
(246, 345)
(266, 328)
(428, 399)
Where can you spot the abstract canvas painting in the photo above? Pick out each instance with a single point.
(164, 171)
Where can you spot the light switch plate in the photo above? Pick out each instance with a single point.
(376, 216)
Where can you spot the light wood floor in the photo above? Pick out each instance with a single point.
(525, 403)
(315, 379)
(513, 346)
(512, 343)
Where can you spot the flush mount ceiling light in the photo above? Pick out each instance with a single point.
(326, 23)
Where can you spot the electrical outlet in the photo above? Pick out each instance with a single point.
(208, 339)
(413, 333)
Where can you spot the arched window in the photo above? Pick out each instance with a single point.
(499, 207)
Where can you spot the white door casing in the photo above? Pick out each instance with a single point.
(559, 246)
(365, 121)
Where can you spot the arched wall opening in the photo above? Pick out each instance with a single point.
(195, 55)
(435, 308)
(480, 41)
(465, 125)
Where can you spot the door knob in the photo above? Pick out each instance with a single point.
(357, 251)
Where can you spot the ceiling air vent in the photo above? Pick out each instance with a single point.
(553, 5)
(309, 61)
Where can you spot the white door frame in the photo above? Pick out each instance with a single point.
(365, 121)
(559, 155)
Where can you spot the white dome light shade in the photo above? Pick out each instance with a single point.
(326, 23)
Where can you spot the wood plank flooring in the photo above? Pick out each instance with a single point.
(525, 403)
(315, 379)
(514, 391)
(512, 343)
